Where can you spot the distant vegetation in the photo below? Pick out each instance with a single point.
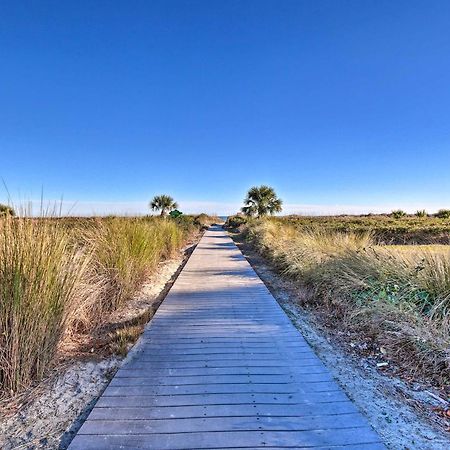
(163, 203)
(398, 214)
(6, 210)
(175, 213)
(235, 221)
(60, 277)
(384, 229)
(261, 201)
(394, 297)
(443, 214)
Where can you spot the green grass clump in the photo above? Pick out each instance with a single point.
(398, 214)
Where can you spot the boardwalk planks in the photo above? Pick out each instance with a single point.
(220, 366)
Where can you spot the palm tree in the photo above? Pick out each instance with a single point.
(261, 201)
(163, 203)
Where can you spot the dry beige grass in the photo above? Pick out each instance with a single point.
(399, 299)
(59, 278)
(40, 273)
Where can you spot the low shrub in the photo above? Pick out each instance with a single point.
(204, 221)
(175, 213)
(6, 210)
(186, 223)
(443, 214)
(398, 214)
(235, 221)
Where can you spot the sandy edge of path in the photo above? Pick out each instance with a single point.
(62, 402)
(387, 402)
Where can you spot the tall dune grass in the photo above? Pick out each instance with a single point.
(399, 298)
(59, 276)
(124, 251)
(39, 273)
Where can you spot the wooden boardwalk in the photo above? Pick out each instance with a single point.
(220, 366)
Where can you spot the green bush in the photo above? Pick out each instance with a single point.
(443, 214)
(175, 213)
(204, 220)
(421, 213)
(235, 221)
(186, 223)
(6, 210)
(398, 214)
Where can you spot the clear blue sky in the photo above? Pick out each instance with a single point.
(340, 104)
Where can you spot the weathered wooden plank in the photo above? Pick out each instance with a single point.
(222, 340)
(143, 378)
(228, 439)
(219, 399)
(272, 357)
(258, 410)
(201, 380)
(112, 425)
(242, 351)
(178, 346)
(306, 374)
(134, 386)
(308, 365)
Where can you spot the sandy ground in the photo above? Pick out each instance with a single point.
(60, 403)
(402, 414)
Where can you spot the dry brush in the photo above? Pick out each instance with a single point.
(399, 299)
(59, 277)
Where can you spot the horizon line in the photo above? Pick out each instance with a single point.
(140, 208)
